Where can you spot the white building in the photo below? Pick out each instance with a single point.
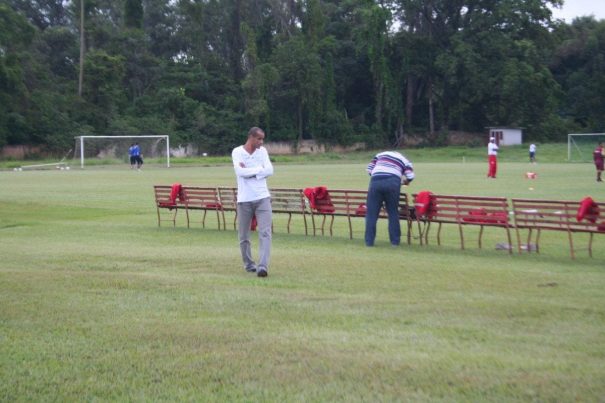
(506, 136)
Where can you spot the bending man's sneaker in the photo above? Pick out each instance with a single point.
(262, 273)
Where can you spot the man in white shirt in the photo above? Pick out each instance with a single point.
(252, 168)
(492, 153)
(532, 153)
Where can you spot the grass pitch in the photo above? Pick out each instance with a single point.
(98, 303)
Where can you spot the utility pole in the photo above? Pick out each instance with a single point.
(81, 77)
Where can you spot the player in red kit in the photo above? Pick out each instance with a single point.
(598, 156)
(492, 158)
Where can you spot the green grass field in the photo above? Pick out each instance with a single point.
(97, 303)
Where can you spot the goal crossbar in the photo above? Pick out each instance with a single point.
(82, 138)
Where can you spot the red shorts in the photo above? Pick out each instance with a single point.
(599, 164)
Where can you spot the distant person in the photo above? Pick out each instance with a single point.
(252, 168)
(532, 153)
(598, 157)
(137, 156)
(492, 157)
(133, 159)
(388, 171)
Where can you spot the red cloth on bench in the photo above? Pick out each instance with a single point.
(424, 205)
(361, 210)
(481, 216)
(319, 198)
(588, 210)
(175, 192)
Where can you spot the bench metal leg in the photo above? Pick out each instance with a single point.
(427, 228)
(518, 240)
(438, 235)
(224, 222)
(350, 227)
(420, 231)
(173, 218)
(529, 241)
(305, 221)
(590, 245)
(510, 242)
(461, 236)
(480, 236)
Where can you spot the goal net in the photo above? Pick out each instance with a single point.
(104, 150)
(580, 146)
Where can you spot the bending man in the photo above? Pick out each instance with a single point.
(388, 171)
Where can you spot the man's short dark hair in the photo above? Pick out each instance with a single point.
(255, 130)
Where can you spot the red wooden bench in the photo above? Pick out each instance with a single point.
(165, 204)
(351, 203)
(462, 211)
(203, 199)
(228, 200)
(289, 201)
(556, 215)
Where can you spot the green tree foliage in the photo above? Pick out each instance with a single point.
(15, 35)
(337, 71)
(579, 65)
(133, 13)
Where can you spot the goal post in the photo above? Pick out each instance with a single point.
(148, 150)
(581, 145)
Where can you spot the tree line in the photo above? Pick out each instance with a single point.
(336, 71)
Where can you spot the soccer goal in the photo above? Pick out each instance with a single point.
(100, 150)
(580, 146)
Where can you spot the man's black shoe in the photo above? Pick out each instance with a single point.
(262, 273)
(251, 269)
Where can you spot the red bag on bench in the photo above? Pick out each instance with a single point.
(424, 205)
(319, 198)
(588, 210)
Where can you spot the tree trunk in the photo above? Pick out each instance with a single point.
(431, 112)
(379, 102)
(81, 75)
(409, 101)
(236, 41)
(300, 120)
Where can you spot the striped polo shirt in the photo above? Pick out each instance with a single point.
(391, 163)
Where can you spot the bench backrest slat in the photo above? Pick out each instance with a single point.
(228, 198)
(201, 197)
(287, 200)
(558, 215)
(492, 211)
